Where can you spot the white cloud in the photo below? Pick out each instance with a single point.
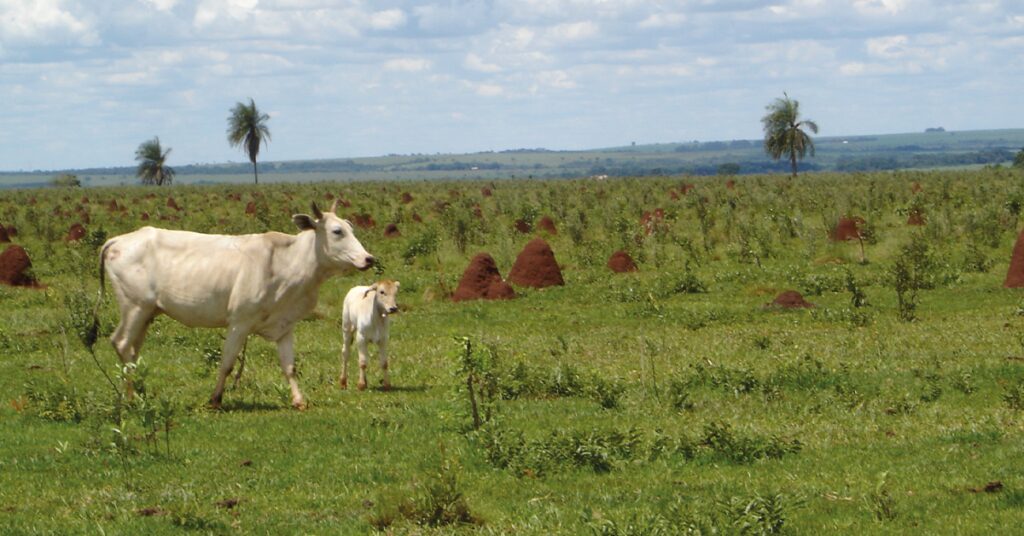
(489, 90)
(162, 5)
(573, 31)
(409, 65)
(476, 63)
(663, 20)
(889, 47)
(880, 7)
(387, 20)
(555, 79)
(42, 22)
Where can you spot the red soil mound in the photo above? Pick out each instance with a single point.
(916, 188)
(235, 197)
(113, 206)
(4, 237)
(363, 221)
(790, 299)
(486, 192)
(478, 212)
(14, 268)
(1015, 275)
(144, 216)
(171, 203)
(685, 188)
(12, 231)
(391, 231)
(673, 195)
(730, 184)
(547, 225)
(329, 196)
(406, 198)
(250, 207)
(75, 233)
(482, 281)
(536, 266)
(847, 229)
(416, 217)
(85, 200)
(916, 217)
(523, 226)
(620, 262)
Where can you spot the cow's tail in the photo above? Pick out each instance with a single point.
(94, 329)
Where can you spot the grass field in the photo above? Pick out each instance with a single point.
(665, 401)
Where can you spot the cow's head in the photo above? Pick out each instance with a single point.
(335, 241)
(385, 299)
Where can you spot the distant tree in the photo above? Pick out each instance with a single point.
(247, 128)
(729, 168)
(66, 180)
(783, 131)
(153, 168)
(1018, 161)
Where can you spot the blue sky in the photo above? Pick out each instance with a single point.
(84, 82)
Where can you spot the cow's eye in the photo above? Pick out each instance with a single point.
(338, 232)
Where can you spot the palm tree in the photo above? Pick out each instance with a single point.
(247, 128)
(153, 168)
(782, 131)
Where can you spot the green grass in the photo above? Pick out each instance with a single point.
(863, 394)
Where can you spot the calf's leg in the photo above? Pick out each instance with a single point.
(346, 351)
(361, 345)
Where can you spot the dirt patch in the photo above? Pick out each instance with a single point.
(916, 188)
(84, 200)
(234, 197)
(171, 203)
(991, 487)
(75, 233)
(250, 207)
(482, 281)
(12, 231)
(406, 198)
(329, 196)
(523, 226)
(653, 221)
(4, 237)
(730, 184)
(15, 268)
(391, 231)
(673, 195)
(685, 188)
(478, 212)
(417, 218)
(1015, 274)
(547, 225)
(621, 262)
(536, 266)
(916, 217)
(144, 216)
(486, 192)
(363, 221)
(151, 511)
(848, 228)
(113, 206)
(789, 299)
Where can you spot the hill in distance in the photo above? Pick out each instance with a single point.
(934, 148)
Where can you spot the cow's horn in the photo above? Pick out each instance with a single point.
(316, 211)
(334, 206)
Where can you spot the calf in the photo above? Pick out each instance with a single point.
(366, 317)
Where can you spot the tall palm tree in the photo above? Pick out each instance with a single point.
(247, 128)
(783, 134)
(153, 168)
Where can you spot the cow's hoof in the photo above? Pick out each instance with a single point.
(214, 404)
(343, 383)
(385, 387)
(361, 386)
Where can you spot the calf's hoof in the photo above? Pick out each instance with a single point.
(300, 404)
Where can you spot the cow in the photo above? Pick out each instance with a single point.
(257, 283)
(366, 317)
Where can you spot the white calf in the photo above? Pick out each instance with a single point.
(365, 317)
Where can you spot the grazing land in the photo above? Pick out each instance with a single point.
(666, 400)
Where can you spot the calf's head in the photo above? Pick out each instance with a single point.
(336, 244)
(385, 298)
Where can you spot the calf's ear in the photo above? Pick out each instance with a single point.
(303, 221)
(369, 290)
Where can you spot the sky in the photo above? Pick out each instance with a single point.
(84, 82)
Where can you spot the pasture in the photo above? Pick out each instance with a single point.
(669, 400)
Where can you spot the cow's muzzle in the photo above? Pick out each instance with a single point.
(368, 262)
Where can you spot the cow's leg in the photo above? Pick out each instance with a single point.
(346, 352)
(127, 338)
(382, 347)
(233, 343)
(361, 344)
(286, 351)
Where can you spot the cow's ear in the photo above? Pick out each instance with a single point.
(303, 222)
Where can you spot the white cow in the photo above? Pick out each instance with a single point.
(257, 283)
(366, 317)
